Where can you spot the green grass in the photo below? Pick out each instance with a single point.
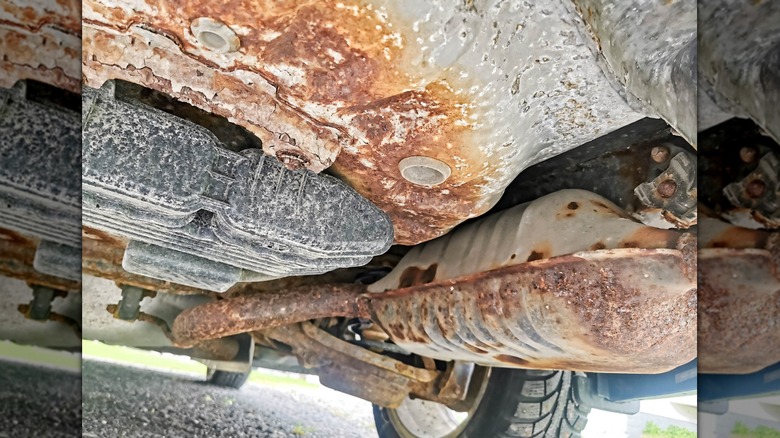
(274, 379)
(156, 360)
(652, 430)
(300, 430)
(39, 356)
(140, 357)
(740, 430)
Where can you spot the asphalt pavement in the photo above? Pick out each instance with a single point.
(127, 401)
(122, 401)
(38, 402)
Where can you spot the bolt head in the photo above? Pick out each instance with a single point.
(667, 188)
(660, 154)
(748, 154)
(755, 188)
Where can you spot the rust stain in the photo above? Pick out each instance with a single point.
(327, 75)
(18, 253)
(16, 239)
(513, 360)
(739, 238)
(381, 380)
(66, 14)
(41, 43)
(414, 276)
(249, 313)
(542, 251)
(649, 237)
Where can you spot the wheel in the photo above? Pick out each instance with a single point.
(511, 403)
(226, 379)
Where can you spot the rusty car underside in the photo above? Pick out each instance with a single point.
(388, 192)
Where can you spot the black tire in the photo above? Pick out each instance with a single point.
(226, 379)
(517, 404)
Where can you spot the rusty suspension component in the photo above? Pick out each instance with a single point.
(359, 372)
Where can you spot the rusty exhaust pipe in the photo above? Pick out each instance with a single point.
(626, 310)
(595, 291)
(739, 287)
(250, 313)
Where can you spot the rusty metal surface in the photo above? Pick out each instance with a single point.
(651, 48)
(756, 198)
(621, 310)
(563, 222)
(357, 86)
(626, 310)
(380, 379)
(339, 370)
(363, 355)
(739, 299)
(670, 198)
(738, 168)
(101, 256)
(249, 313)
(17, 253)
(40, 40)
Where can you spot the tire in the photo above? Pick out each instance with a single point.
(516, 403)
(226, 379)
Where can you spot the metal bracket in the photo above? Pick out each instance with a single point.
(724, 387)
(759, 194)
(627, 387)
(673, 191)
(585, 393)
(242, 363)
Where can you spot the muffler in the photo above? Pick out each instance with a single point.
(565, 282)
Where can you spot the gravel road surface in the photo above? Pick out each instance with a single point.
(39, 402)
(121, 401)
(124, 401)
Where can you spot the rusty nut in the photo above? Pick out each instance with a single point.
(667, 188)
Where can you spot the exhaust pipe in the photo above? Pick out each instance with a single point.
(610, 309)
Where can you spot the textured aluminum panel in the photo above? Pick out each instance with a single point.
(162, 180)
(40, 150)
(650, 47)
